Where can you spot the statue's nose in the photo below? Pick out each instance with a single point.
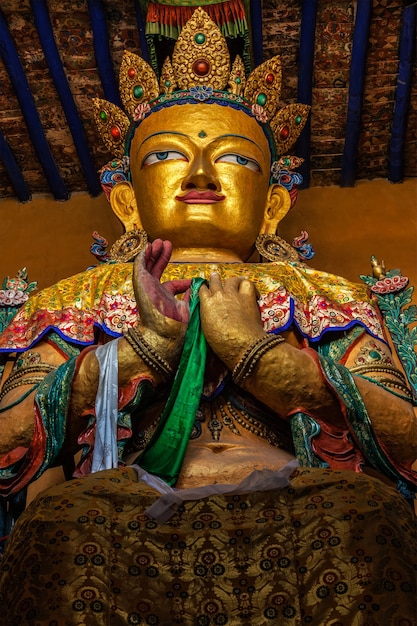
(201, 175)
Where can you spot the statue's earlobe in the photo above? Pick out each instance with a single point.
(124, 206)
(278, 203)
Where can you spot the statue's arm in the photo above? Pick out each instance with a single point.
(43, 421)
(288, 378)
(44, 407)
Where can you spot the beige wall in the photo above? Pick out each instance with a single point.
(346, 226)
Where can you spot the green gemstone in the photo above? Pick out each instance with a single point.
(261, 99)
(287, 162)
(374, 355)
(114, 163)
(167, 83)
(298, 119)
(103, 115)
(238, 81)
(200, 38)
(138, 91)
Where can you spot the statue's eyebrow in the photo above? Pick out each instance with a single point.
(234, 136)
(226, 136)
(163, 132)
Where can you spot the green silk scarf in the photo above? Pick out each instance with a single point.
(164, 454)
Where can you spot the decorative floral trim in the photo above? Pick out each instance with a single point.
(304, 249)
(14, 293)
(12, 297)
(390, 285)
(99, 248)
(399, 315)
(141, 111)
(259, 113)
(111, 174)
(201, 92)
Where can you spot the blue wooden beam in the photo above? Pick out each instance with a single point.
(13, 170)
(20, 84)
(305, 82)
(102, 51)
(46, 36)
(402, 95)
(142, 32)
(356, 88)
(257, 34)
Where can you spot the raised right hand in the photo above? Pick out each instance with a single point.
(163, 318)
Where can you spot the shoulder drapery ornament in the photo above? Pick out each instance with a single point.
(201, 70)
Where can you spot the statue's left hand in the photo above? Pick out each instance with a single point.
(163, 318)
(230, 317)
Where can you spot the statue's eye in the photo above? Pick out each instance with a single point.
(239, 160)
(157, 157)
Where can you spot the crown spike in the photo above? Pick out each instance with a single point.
(288, 124)
(201, 56)
(263, 86)
(237, 79)
(167, 82)
(112, 124)
(137, 82)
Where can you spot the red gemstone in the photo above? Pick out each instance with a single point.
(201, 67)
(269, 79)
(131, 72)
(284, 132)
(115, 132)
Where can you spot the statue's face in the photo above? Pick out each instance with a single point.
(201, 177)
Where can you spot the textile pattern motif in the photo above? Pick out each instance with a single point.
(334, 548)
(314, 301)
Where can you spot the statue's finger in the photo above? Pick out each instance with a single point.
(215, 282)
(233, 283)
(177, 286)
(162, 257)
(247, 287)
(153, 252)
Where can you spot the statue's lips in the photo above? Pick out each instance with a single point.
(200, 197)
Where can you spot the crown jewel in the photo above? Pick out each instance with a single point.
(200, 69)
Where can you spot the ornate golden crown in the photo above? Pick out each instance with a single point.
(199, 72)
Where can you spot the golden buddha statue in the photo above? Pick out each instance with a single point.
(201, 374)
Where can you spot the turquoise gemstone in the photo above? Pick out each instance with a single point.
(138, 91)
(200, 38)
(374, 355)
(261, 99)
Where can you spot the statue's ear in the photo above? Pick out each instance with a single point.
(123, 204)
(278, 203)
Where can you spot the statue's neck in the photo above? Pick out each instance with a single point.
(204, 255)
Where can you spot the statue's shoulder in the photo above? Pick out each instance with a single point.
(315, 301)
(74, 306)
(306, 283)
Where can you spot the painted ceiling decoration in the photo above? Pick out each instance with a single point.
(352, 61)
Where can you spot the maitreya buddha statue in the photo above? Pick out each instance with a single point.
(245, 430)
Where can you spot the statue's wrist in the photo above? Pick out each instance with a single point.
(159, 353)
(252, 355)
